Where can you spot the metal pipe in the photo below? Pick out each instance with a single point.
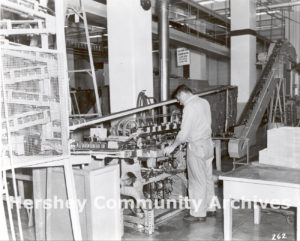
(164, 47)
(227, 110)
(141, 109)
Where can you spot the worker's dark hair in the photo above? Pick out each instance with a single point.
(181, 88)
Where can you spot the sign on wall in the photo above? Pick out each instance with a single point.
(183, 56)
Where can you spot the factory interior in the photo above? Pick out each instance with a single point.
(92, 111)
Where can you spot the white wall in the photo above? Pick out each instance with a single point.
(218, 71)
(174, 69)
(203, 67)
(198, 68)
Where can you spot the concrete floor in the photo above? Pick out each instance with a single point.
(176, 229)
(243, 227)
(212, 229)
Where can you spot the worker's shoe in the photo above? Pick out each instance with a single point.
(211, 214)
(192, 219)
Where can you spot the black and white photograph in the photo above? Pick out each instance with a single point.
(157, 120)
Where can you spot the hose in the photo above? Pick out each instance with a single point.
(146, 117)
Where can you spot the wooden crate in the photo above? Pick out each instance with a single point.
(91, 185)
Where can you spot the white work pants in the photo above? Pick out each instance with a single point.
(200, 179)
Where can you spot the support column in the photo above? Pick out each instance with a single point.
(243, 49)
(293, 35)
(129, 53)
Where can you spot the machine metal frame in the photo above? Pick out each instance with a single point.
(100, 150)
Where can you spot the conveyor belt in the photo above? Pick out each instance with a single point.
(263, 81)
(260, 98)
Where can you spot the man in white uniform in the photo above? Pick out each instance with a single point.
(196, 130)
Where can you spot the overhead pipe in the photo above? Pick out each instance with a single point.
(163, 32)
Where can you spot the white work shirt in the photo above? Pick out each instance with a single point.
(196, 120)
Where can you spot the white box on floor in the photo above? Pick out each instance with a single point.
(283, 148)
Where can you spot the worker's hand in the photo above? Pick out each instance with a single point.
(169, 149)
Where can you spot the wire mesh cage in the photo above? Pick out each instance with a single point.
(33, 97)
(30, 101)
(32, 78)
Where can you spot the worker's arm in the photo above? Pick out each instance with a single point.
(185, 129)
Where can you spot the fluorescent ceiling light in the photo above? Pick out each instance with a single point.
(211, 1)
(206, 2)
(277, 11)
(96, 36)
(100, 27)
(269, 27)
(268, 12)
(261, 13)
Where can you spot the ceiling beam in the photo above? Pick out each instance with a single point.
(279, 5)
(206, 10)
(187, 40)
